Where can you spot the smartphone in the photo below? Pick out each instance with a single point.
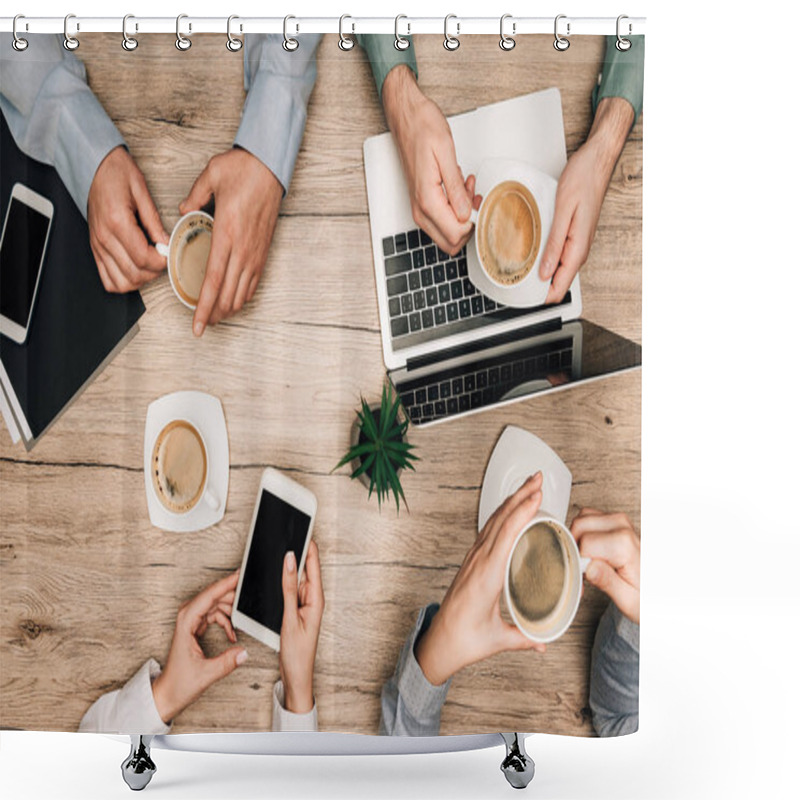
(282, 521)
(22, 247)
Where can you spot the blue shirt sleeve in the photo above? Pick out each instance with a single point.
(52, 113)
(278, 85)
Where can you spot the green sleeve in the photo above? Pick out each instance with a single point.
(622, 74)
(384, 56)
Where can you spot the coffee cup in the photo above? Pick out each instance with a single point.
(511, 230)
(187, 255)
(179, 468)
(543, 580)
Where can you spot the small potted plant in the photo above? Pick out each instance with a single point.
(378, 448)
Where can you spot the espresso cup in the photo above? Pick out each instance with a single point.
(187, 255)
(543, 579)
(508, 232)
(179, 468)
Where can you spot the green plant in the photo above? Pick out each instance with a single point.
(381, 448)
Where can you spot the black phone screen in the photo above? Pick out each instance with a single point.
(20, 257)
(279, 528)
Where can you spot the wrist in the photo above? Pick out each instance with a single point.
(298, 699)
(162, 697)
(612, 124)
(434, 655)
(400, 93)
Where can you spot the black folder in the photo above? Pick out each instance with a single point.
(76, 327)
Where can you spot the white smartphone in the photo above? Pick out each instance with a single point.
(282, 521)
(22, 247)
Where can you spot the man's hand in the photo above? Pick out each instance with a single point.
(302, 616)
(428, 155)
(613, 545)
(581, 190)
(468, 626)
(247, 197)
(188, 672)
(118, 195)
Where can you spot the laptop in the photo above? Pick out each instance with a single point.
(450, 350)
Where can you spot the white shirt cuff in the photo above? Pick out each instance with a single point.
(283, 720)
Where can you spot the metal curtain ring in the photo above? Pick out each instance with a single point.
(560, 43)
(451, 43)
(400, 42)
(622, 43)
(18, 43)
(128, 42)
(507, 42)
(289, 44)
(181, 42)
(346, 42)
(233, 44)
(70, 42)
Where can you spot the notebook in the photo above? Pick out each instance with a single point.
(77, 327)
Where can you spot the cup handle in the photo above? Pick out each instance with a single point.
(473, 217)
(162, 249)
(584, 564)
(212, 501)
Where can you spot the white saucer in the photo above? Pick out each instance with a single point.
(204, 412)
(517, 455)
(532, 290)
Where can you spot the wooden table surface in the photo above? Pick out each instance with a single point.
(90, 588)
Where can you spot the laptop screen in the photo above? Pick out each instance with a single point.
(563, 355)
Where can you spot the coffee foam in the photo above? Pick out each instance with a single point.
(179, 466)
(509, 232)
(538, 574)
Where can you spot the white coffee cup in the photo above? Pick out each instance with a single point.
(189, 225)
(203, 491)
(529, 290)
(554, 624)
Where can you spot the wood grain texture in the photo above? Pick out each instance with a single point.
(89, 588)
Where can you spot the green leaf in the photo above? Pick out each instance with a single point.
(365, 465)
(368, 421)
(398, 491)
(355, 452)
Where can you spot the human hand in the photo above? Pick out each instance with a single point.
(468, 626)
(247, 197)
(188, 672)
(580, 194)
(428, 155)
(613, 545)
(302, 616)
(118, 195)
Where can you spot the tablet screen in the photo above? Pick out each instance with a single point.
(24, 238)
(279, 528)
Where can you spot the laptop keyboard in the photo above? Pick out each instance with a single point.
(428, 289)
(484, 383)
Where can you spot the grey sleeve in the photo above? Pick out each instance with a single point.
(52, 113)
(614, 687)
(410, 704)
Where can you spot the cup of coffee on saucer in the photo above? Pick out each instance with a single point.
(179, 468)
(511, 229)
(187, 255)
(543, 580)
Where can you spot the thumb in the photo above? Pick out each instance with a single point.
(222, 665)
(200, 194)
(606, 578)
(454, 185)
(289, 588)
(562, 219)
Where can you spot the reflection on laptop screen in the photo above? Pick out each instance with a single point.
(531, 363)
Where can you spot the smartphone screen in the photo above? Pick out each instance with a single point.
(24, 238)
(279, 528)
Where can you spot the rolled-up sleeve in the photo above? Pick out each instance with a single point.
(129, 710)
(278, 85)
(622, 74)
(410, 704)
(285, 720)
(384, 56)
(614, 682)
(52, 113)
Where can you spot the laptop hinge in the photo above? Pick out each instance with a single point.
(484, 344)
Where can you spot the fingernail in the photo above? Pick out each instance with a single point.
(546, 269)
(198, 329)
(290, 563)
(241, 658)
